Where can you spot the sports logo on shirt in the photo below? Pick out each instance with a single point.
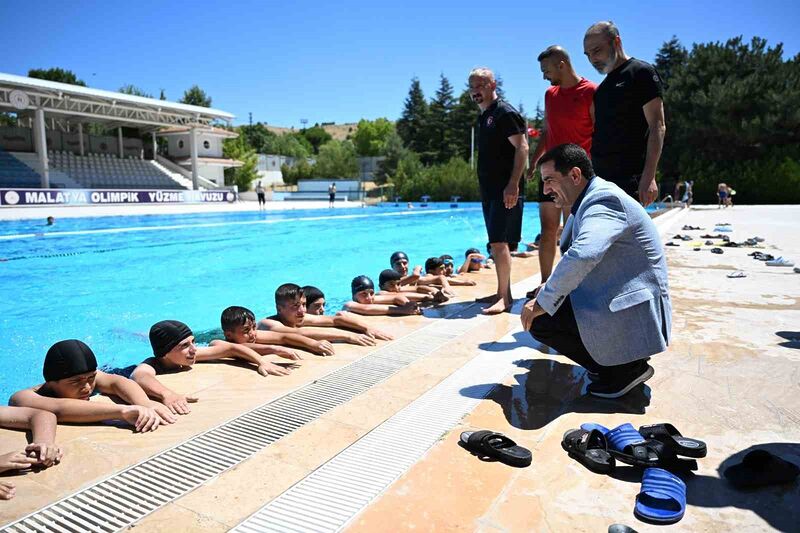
(655, 78)
(490, 121)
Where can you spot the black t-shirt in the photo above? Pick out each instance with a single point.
(495, 152)
(619, 143)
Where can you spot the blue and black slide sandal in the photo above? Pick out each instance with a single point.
(627, 445)
(670, 436)
(662, 499)
(492, 445)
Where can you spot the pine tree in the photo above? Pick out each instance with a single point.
(439, 130)
(411, 126)
(670, 57)
(463, 118)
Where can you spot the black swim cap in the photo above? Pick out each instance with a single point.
(471, 251)
(397, 256)
(388, 275)
(166, 335)
(432, 263)
(68, 358)
(361, 283)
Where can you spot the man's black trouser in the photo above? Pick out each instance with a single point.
(560, 332)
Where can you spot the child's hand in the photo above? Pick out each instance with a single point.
(378, 334)
(323, 348)
(15, 461)
(400, 300)
(143, 419)
(7, 490)
(286, 353)
(268, 369)
(45, 454)
(411, 308)
(164, 413)
(178, 403)
(361, 339)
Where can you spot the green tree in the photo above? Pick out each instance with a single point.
(8, 119)
(242, 176)
(317, 136)
(301, 170)
(412, 126)
(371, 136)
(463, 118)
(442, 138)
(134, 90)
(289, 144)
(56, 74)
(392, 154)
(163, 95)
(258, 137)
(734, 113)
(194, 95)
(669, 58)
(337, 159)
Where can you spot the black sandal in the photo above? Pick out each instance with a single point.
(667, 434)
(489, 444)
(590, 449)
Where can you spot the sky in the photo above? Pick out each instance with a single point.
(347, 60)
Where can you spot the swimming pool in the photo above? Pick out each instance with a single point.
(107, 280)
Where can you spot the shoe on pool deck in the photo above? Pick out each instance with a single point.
(780, 262)
(622, 385)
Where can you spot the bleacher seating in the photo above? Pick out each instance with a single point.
(104, 171)
(14, 174)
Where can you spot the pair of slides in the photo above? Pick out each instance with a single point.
(655, 448)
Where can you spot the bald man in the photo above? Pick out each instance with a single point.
(629, 115)
(568, 118)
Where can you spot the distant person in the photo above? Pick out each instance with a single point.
(239, 327)
(606, 306)
(262, 196)
(731, 194)
(41, 452)
(292, 317)
(629, 124)
(331, 194)
(722, 195)
(363, 302)
(51, 221)
(688, 194)
(568, 118)
(502, 156)
(71, 378)
(174, 351)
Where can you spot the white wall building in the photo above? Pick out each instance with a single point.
(210, 162)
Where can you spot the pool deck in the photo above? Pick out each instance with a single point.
(730, 378)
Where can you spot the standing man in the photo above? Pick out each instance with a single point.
(262, 197)
(607, 304)
(331, 194)
(629, 115)
(502, 155)
(568, 118)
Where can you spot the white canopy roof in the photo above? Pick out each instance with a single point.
(20, 94)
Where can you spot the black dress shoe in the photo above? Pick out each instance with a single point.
(616, 386)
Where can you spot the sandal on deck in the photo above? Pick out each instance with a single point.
(662, 499)
(494, 445)
(667, 434)
(590, 449)
(627, 445)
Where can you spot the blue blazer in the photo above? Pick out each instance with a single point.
(615, 274)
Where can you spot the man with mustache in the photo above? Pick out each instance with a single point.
(629, 115)
(502, 156)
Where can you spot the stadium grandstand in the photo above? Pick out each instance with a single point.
(52, 146)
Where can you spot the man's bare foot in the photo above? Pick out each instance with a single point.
(492, 298)
(498, 307)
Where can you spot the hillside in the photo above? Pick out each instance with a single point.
(337, 131)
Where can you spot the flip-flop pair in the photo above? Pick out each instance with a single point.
(490, 445)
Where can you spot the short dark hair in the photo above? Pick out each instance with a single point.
(432, 263)
(556, 52)
(565, 157)
(312, 294)
(288, 292)
(235, 316)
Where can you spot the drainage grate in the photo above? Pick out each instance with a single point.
(330, 497)
(126, 497)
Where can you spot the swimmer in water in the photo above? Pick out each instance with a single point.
(390, 290)
(363, 290)
(239, 327)
(473, 261)
(449, 272)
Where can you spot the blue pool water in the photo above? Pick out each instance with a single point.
(107, 280)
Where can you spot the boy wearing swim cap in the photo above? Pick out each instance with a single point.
(174, 350)
(434, 276)
(453, 278)
(71, 377)
(292, 317)
(364, 301)
(389, 284)
(239, 327)
(473, 261)
(42, 451)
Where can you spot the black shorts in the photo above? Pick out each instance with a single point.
(331, 197)
(629, 184)
(502, 225)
